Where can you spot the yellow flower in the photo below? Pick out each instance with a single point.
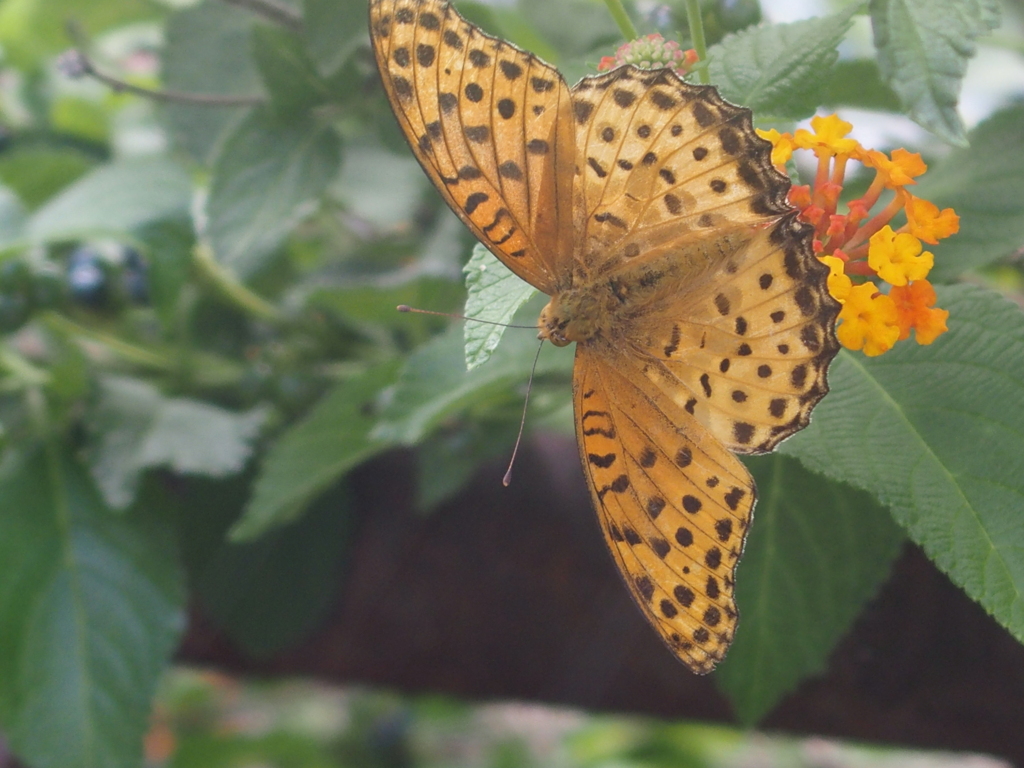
(839, 284)
(926, 222)
(828, 137)
(782, 145)
(914, 303)
(868, 321)
(898, 258)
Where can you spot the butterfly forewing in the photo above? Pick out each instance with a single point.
(491, 126)
(666, 163)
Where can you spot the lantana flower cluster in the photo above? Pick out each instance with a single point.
(650, 52)
(878, 274)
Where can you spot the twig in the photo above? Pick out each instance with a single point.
(271, 10)
(75, 63)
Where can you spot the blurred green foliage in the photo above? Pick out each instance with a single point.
(199, 344)
(206, 720)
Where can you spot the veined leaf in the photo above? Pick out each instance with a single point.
(134, 427)
(495, 295)
(780, 70)
(91, 607)
(923, 48)
(266, 178)
(435, 383)
(314, 453)
(817, 551)
(113, 200)
(936, 433)
(984, 184)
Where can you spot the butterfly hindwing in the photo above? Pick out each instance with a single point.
(674, 504)
(492, 127)
(749, 356)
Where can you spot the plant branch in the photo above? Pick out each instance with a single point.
(76, 63)
(126, 351)
(272, 11)
(27, 374)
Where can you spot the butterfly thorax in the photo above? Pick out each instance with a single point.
(600, 307)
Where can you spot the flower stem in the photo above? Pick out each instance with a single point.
(26, 373)
(696, 24)
(233, 290)
(619, 14)
(133, 354)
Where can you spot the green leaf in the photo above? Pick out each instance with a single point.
(113, 200)
(289, 75)
(33, 29)
(311, 455)
(936, 433)
(74, 116)
(133, 427)
(12, 218)
(379, 186)
(435, 384)
(207, 50)
(780, 70)
(269, 594)
(495, 295)
(984, 184)
(858, 83)
(923, 48)
(333, 29)
(91, 608)
(818, 550)
(38, 172)
(447, 460)
(168, 248)
(510, 24)
(265, 180)
(579, 31)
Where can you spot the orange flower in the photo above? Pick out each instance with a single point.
(927, 222)
(799, 195)
(915, 303)
(858, 242)
(898, 171)
(868, 321)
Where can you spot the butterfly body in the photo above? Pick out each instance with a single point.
(649, 210)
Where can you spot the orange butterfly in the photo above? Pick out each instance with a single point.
(649, 210)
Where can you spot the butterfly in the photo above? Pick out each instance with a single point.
(649, 211)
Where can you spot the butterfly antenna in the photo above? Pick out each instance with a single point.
(507, 479)
(407, 308)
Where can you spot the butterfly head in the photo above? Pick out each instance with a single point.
(570, 316)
